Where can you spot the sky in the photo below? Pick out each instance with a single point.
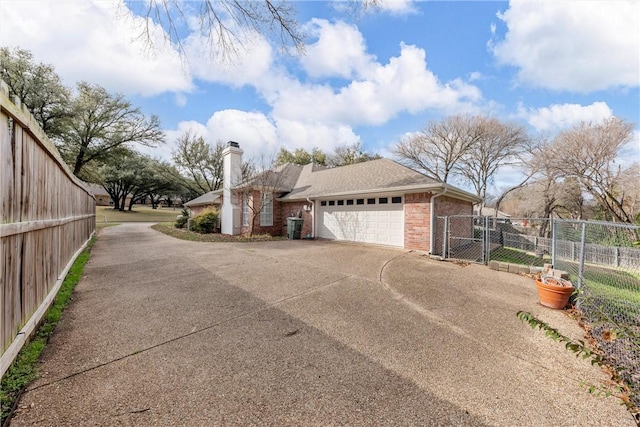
(367, 76)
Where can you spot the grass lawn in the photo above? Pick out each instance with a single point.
(140, 213)
(515, 256)
(181, 233)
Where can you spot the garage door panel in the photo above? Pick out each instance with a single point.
(379, 224)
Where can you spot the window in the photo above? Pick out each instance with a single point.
(360, 202)
(349, 202)
(323, 203)
(266, 214)
(383, 200)
(332, 202)
(396, 199)
(340, 202)
(245, 210)
(371, 201)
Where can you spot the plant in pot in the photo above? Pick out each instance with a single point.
(554, 292)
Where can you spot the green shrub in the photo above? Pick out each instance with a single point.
(182, 218)
(205, 222)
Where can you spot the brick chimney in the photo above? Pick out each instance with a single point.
(231, 221)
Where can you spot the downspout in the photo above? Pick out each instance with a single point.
(432, 233)
(313, 218)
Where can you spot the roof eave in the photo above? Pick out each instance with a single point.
(435, 187)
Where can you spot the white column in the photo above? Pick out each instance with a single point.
(231, 208)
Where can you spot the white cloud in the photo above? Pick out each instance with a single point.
(253, 130)
(258, 135)
(94, 41)
(562, 116)
(397, 7)
(405, 84)
(580, 46)
(630, 153)
(251, 62)
(307, 135)
(339, 51)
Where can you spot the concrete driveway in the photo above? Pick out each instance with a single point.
(168, 332)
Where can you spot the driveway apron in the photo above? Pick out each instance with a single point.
(168, 332)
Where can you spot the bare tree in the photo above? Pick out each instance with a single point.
(589, 153)
(261, 184)
(530, 161)
(226, 24)
(438, 149)
(197, 159)
(497, 144)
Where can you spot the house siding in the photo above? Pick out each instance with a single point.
(417, 221)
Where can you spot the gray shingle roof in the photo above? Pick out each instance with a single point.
(375, 175)
(212, 197)
(284, 177)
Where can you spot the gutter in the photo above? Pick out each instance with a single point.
(432, 234)
(463, 195)
(313, 218)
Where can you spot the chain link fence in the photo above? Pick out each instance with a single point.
(603, 261)
(479, 239)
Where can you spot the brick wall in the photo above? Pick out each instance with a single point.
(275, 229)
(446, 206)
(196, 210)
(417, 221)
(417, 217)
(293, 208)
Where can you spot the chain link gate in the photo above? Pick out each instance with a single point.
(481, 239)
(464, 238)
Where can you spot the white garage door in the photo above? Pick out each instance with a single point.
(378, 220)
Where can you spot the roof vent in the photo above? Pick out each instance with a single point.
(233, 144)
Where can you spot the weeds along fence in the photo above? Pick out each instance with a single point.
(48, 216)
(602, 260)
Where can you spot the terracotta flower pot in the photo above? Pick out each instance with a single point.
(553, 292)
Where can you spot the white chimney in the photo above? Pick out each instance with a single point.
(231, 206)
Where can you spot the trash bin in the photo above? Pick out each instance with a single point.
(294, 228)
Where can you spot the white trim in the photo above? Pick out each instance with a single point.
(407, 189)
(266, 211)
(245, 210)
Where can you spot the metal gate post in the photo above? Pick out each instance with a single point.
(583, 244)
(445, 237)
(554, 224)
(486, 241)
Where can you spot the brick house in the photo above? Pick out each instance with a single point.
(210, 200)
(380, 202)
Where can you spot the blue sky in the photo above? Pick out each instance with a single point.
(371, 77)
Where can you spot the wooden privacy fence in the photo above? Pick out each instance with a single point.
(47, 218)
